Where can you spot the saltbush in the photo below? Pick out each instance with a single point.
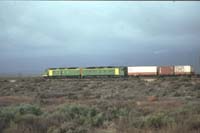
(158, 120)
(119, 112)
(83, 115)
(15, 113)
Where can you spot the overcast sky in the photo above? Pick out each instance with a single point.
(37, 35)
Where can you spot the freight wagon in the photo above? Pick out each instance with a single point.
(175, 70)
(142, 71)
(183, 70)
(166, 70)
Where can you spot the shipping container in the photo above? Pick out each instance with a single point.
(142, 70)
(166, 70)
(183, 70)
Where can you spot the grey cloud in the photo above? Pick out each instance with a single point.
(98, 33)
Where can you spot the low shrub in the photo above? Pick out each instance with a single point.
(83, 115)
(158, 120)
(196, 87)
(29, 109)
(119, 112)
(28, 123)
(15, 113)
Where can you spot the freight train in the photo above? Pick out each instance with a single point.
(114, 71)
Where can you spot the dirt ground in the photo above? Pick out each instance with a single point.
(149, 94)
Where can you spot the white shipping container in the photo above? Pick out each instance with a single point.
(142, 70)
(183, 69)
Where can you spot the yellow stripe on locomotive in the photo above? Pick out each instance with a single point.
(50, 72)
(116, 71)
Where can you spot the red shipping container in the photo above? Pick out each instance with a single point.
(166, 70)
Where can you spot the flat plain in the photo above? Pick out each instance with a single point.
(100, 105)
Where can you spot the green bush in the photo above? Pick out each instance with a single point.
(14, 113)
(28, 123)
(98, 120)
(21, 109)
(29, 109)
(158, 120)
(82, 115)
(119, 112)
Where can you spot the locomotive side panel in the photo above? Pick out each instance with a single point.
(99, 72)
(66, 72)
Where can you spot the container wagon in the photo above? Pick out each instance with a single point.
(142, 70)
(166, 70)
(183, 70)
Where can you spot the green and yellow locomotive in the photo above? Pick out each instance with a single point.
(86, 72)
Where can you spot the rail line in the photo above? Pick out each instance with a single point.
(104, 78)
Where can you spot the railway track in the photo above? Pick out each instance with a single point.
(146, 78)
